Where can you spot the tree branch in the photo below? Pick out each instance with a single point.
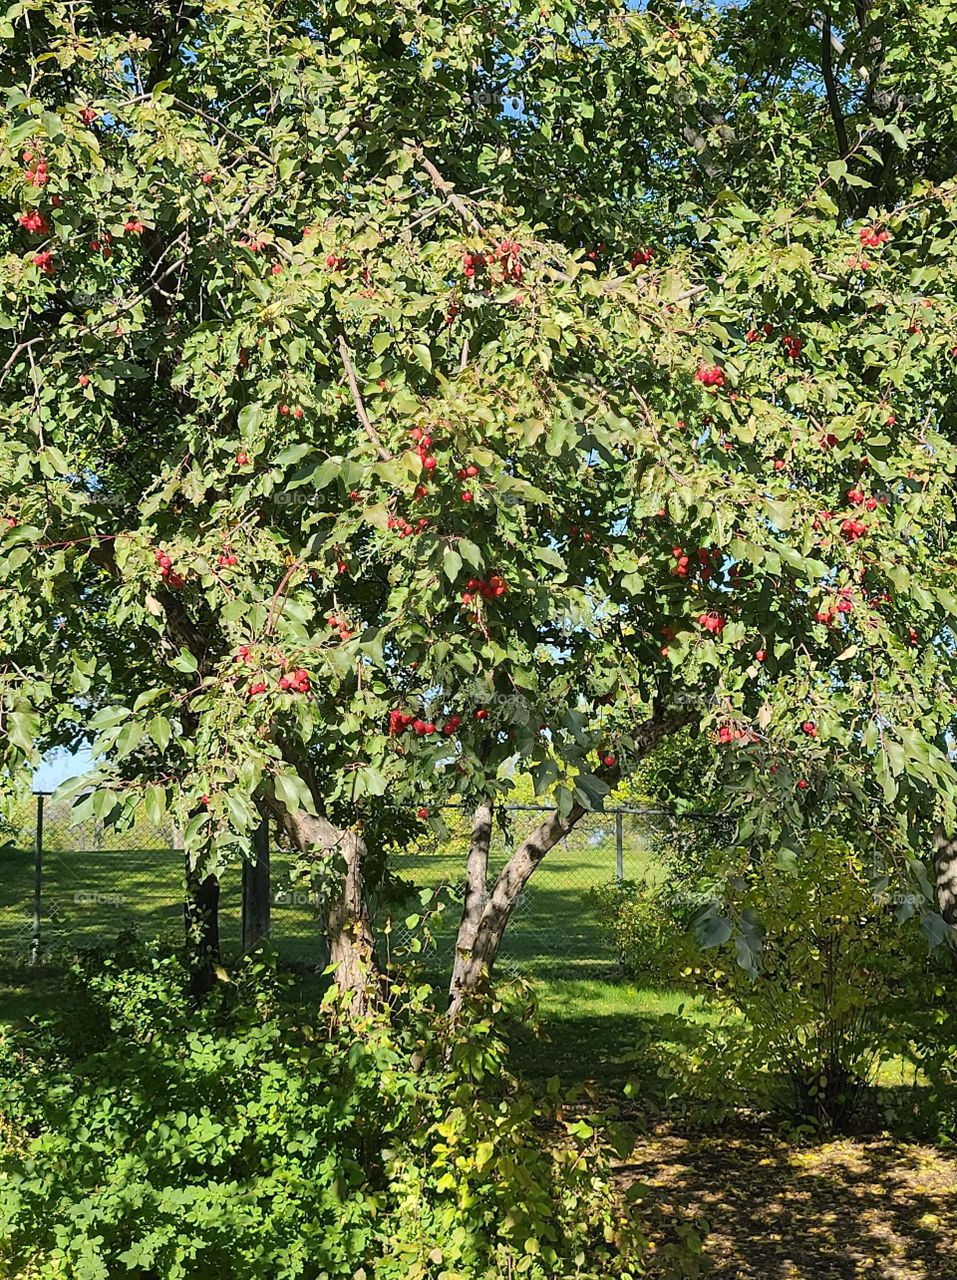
(446, 190)
(833, 102)
(364, 418)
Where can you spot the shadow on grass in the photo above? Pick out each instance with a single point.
(836, 1211)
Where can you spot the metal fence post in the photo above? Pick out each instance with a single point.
(620, 845)
(37, 883)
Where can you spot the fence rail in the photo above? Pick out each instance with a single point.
(65, 885)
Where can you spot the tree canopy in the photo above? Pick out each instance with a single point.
(393, 394)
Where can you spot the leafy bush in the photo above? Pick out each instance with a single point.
(234, 1142)
(815, 987)
(648, 925)
(835, 976)
(931, 1042)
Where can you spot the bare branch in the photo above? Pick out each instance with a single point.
(364, 418)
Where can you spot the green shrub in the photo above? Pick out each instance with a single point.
(152, 1140)
(931, 1042)
(836, 976)
(649, 927)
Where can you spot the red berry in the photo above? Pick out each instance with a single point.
(481, 714)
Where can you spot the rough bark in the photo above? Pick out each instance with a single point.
(946, 868)
(476, 893)
(515, 875)
(201, 918)
(477, 966)
(257, 891)
(348, 925)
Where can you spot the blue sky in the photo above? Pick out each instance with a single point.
(57, 767)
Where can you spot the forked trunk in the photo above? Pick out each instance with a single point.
(477, 964)
(475, 960)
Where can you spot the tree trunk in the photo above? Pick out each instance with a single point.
(489, 931)
(476, 967)
(257, 890)
(348, 924)
(201, 915)
(476, 894)
(946, 868)
(351, 941)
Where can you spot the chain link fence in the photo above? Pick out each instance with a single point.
(67, 885)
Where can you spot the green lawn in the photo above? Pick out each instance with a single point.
(595, 1021)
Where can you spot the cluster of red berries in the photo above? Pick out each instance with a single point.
(872, 238)
(423, 443)
(712, 622)
(341, 627)
(333, 260)
(704, 555)
(505, 255)
(640, 258)
(490, 589)
(295, 682)
(44, 261)
(828, 440)
(34, 222)
(399, 721)
(103, 245)
(736, 581)
(859, 264)
(227, 560)
(809, 728)
(134, 226)
(167, 572)
(37, 174)
(710, 376)
(792, 346)
(757, 335)
(286, 410)
(826, 616)
(728, 733)
(857, 497)
(508, 254)
(405, 529)
(469, 472)
(87, 115)
(853, 529)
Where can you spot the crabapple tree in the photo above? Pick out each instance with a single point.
(397, 399)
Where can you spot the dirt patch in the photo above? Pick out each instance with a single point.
(834, 1211)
